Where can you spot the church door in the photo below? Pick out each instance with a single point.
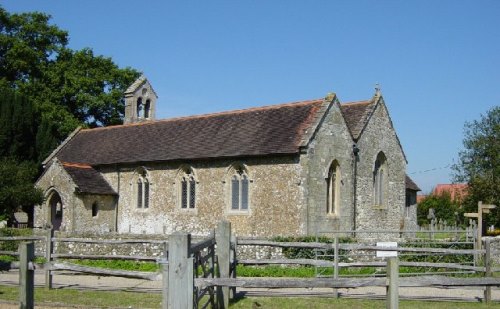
(56, 211)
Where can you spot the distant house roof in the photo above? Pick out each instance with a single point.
(87, 179)
(410, 184)
(270, 130)
(457, 191)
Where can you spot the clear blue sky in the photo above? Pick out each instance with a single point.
(438, 62)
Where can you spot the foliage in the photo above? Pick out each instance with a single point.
(16, 186)
(307, 253)
(119, 264)
(479, 163)
(444, 209)
(12, 245)
(438, 257)
(69, 88)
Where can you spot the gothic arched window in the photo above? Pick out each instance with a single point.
(380, 180)
(140, 109)
(240, 184)
(333, 189)
(147, 109)
(188, 189)
(142, 190)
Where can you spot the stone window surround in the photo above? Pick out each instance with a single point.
(95, 210)
(186, 172)
(230, 173)
(143, 109)
(380, 181)
(333, 207)
(141, 177)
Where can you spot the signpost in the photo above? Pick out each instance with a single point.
(481, 209)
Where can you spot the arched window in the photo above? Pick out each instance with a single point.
(142, 186)
(147, 109)
(140, 109)
(333, 189)
(95, 209)
(380, 180)
(188, 189)
(240, 183)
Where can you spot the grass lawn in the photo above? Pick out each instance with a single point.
(102, 299)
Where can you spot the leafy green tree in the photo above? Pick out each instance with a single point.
(68, 88)
(28, 43)
(16, 187)
(17, 126)
(444, 209)
(479, 163)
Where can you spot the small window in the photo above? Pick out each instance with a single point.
(95, 209)
(140, 109)
(239, 190)
(379, 180)
(333, 189)
(142, 190)
(147, 109)
(188, 190)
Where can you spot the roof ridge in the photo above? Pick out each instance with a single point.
(358, 102)
(215, 114)
(76, 165)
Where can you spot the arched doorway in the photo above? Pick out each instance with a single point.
(55, 210)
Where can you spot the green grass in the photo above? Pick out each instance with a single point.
(103, 299)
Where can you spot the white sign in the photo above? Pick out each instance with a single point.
(387, 244)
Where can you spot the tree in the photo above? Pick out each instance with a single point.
(444, 209)
(16, 187)
(18, 123)
(479, 163)
(68, 88)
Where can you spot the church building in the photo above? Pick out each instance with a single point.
(301, 168)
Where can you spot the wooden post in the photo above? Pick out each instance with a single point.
(180, 272)
(223, 240)
(49, 247)
(164, 277)
(392, 283)
(336, 265)
(234, 247)
(26, 275)
(487, 273)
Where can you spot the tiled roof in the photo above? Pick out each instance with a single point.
(277, 129)
(356, 115)
(410, 184)
(457, 191)
(87, 179)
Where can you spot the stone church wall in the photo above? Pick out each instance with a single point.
(77, 209)
(377, 137)
(276, 198)
(331, 142)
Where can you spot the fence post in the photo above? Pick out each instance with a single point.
(223, 240)
(26, 275)
(180, 272)
(336, 264)
(49, 248)
(234, 247)
(393, 283)
(164, 277)
(487, 265)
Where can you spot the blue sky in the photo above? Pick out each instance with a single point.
(438, 62)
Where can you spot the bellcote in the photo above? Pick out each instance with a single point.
(140, 101)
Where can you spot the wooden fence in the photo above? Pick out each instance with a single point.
(203, 274)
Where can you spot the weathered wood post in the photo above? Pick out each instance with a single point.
(26, 275)
(49, 248)
(336, 264)
(223, 240)
(487, 265)
(392, 283)
(164, 276)
(180, 272)
(233, 262)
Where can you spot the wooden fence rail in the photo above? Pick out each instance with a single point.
(205, 271)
